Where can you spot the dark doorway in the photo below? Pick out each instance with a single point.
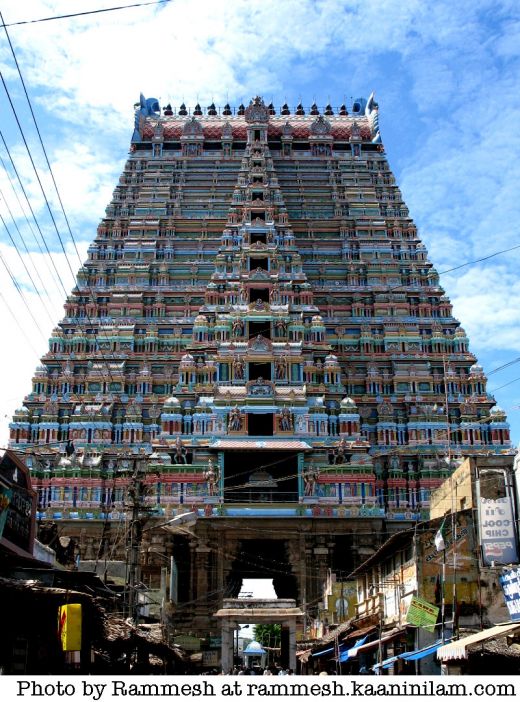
(260, 476)
(258, 236)
(255, 263)
(260, 425)
(256, 328)
(259, 370)
(258, 294)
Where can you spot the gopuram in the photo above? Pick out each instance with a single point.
(258, 335)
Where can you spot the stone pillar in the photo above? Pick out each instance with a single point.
(226, 649)
(201, 570)
(292, 645)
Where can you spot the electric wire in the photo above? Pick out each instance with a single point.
(102, 355)
(24, 243)
(29, 153)
(58, 276)
(89, 288)
(30, 227)
(20, 292)
(17, 322)
(515, 380)
(26, 269)
(83, 14)
(42, 144)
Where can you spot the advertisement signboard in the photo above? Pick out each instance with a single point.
(6, 495)
(18, 521)
(69, 627)
(342, 601)
(422, 613)
(510, 582)
(497, 532)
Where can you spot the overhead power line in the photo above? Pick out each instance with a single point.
(24, 243)
(479, 260)
(505, 384)
(58, 276)
(20, 327)
(47, 204)
(29, 225)
(89, 288)
(26, 269)
(42, 144)
(505, 365)
(83, 14)
(20, 292)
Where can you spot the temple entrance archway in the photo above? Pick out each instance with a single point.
(235, 612)
(261, 559)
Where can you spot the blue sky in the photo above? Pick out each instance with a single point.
(446, 76)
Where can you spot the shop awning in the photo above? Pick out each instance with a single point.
(410, 655)
(459, 649)
(345, 655)
(322, 653)
(385, 664)
(422, 652)
(374, 644)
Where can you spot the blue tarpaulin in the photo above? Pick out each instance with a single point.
(345, 655)
(411, 655)
(422, 652)
(322, 653)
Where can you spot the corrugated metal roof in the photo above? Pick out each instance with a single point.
(459, 649)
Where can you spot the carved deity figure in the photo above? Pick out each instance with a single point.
(179, 454)
(281, 327)
(285, 419)
(281, 368)
(395, 463)
(259, 304)
(238, 368)
(274, 295)
(310, 478)
(238, 327)
(235, 420)
(243, 294)
(340, 454)
(211, 477)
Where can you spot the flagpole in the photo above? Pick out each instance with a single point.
(440, 545)
(443, 599)
(453, 493)
(448, 438)
(447, 410)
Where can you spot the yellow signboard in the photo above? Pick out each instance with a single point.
(69, 627)
(342, 601)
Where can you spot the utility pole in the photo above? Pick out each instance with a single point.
(136, 494)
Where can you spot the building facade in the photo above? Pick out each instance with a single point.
(258, 330)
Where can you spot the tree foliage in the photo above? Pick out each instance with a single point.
(268, 634)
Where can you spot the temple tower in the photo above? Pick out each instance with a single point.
(259, 333)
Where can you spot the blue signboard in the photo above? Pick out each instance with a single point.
(510, 581)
